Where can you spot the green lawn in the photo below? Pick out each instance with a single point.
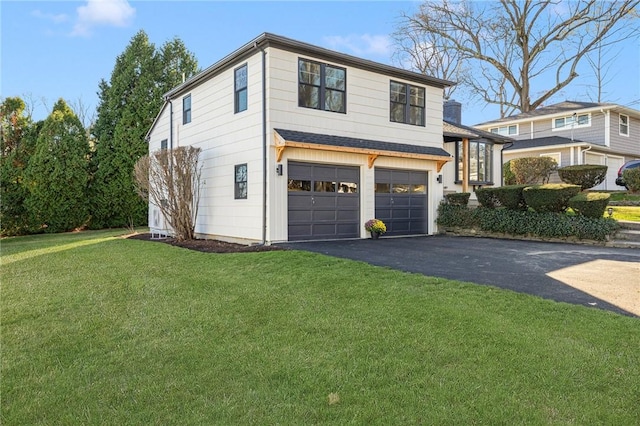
(101, 330)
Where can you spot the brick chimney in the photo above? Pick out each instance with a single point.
(452, 112)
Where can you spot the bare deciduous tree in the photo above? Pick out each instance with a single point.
(506, 47)
(170, 179)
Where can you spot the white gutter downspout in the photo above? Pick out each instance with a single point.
(607, 127)
(264, 144)
(170, 123)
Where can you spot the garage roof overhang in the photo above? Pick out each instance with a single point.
(295, 139)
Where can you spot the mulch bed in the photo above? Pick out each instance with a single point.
(207, 246)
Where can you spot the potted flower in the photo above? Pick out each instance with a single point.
(376, 227)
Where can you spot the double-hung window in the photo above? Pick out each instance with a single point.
(240, 84)
(240, 181)
(480, 162)
(407, 103)
(572, 121)
(624, 125)
(321, 86)
(186, 109)
(505, 130)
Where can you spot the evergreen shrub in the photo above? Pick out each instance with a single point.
(550, 197)
(585, 175)
(592, 204)
(487, 197)
(511, 196)
(458, 198)
(451, 215)
(527, 223)
(631, 179)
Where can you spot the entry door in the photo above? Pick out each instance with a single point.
(324, 201)
(401, 201)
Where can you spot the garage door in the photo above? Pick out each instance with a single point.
(324, 201)
(613, 164)
(401, 201)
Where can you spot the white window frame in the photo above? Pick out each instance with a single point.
(620, 124)
(569, 122)
(506, 130)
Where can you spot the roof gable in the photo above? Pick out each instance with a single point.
(272, 40)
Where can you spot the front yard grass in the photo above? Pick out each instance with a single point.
(102, 330)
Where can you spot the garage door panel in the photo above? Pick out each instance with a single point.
(331, 209)
(324, 216)
(401, 200)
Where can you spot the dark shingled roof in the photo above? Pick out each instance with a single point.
(330, 140)
(562, 107)
(454, 131)
(546, 141)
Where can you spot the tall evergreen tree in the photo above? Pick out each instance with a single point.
(128, 105)
(16, 147)
(57, 173)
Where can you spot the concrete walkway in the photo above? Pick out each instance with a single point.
(602, 277)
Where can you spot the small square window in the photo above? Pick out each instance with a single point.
(240, 177)
(186, 109)
(163, 144)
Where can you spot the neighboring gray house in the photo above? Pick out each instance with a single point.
(574, 133)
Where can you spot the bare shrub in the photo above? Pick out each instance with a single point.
(170, 179)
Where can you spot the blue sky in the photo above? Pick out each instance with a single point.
(53, 49)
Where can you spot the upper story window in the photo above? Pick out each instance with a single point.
(624, 125)
(163, 144)
(240, 78)
(407, 103)
(186, 109)
(505, 130)
(572, 121)
(321, 86)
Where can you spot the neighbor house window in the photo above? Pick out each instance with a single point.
(624, 125)
(241, 88)
(505, 130)
(240, 177)
(321, 86)
(163, 144)
(572, 121)
(186, 109)
(480, 165)
(406, 103)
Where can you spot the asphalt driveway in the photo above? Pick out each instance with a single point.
(555, 271)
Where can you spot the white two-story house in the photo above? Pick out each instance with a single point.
(574, 133)
(300, 142)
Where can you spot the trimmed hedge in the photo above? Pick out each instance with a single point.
(458, 198)
(585, 175)
(450, 215)
(511, 197)
(532, 170)
(487, 197)
(550, 197)
(631, 179)
(591, 204)
(506, 196)
(528, 223)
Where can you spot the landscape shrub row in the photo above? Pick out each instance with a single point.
(526, 222)
(544, 198)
